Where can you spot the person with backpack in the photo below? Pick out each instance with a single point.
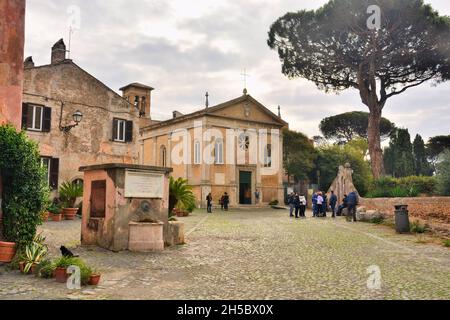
(352, 202)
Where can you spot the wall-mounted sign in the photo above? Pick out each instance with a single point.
(140, 184)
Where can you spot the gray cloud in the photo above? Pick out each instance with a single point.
(186, 48)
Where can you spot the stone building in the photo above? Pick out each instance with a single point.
(57, 94)
(235, 147)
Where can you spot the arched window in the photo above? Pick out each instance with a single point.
(268, 156)
(78, 181)
(163, 155)
(197, 152)
(218, 151)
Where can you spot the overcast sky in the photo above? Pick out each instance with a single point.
(184, 48)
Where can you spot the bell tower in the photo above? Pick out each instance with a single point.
(140, 96)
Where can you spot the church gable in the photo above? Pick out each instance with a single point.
(248, 109)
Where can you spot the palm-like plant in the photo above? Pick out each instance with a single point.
(180, 195)
(69, 192)
(34, 252)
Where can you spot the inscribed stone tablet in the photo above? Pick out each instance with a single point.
(140, 184)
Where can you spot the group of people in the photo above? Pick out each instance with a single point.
(224, 202)
(321, 203)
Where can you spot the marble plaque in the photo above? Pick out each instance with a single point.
(140, 184)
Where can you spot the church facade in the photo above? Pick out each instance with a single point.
(235, 147)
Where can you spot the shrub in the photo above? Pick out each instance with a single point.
(377, 220)
(443, 173)
(446, 243)
(25, 186)
(416, 227)
(45, 269)
(388, 187)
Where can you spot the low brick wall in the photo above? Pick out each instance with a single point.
(426, 208)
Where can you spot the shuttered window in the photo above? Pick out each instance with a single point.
(36, 117)
(122, 130)
(52, 169)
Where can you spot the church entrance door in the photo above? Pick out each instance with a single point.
(245, 187)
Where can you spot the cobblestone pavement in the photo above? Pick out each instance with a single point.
(254, 255)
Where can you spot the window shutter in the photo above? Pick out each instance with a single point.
(54, 173)
(24, 116)
(129, 131)
(47, 119)
(114, 131)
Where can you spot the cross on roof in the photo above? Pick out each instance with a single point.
(245, 75)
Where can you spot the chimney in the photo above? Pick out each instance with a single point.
(28, 63)
(58, 52)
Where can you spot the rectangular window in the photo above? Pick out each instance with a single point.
(119, 130)
(51, 166)
(34, 118)
(197, 151)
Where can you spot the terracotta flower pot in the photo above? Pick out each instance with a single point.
(94, 279)
(56, 217)
(22, 267)
(7, 251)
(33, 268)
(61, 275)
(70, 213)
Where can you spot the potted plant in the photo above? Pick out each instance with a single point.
(94, 278)
(60, 268)
(7, 251)
(69, 192)
(55, 210)
(180, 196)
(34, 252)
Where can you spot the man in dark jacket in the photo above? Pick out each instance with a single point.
(352, 201)
(333, 202)
(291, 204)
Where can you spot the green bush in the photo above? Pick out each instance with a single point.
(416, 227)
(443, 173)
(69, 192)
(388, 187)
(45, 269)
(446, 243)
(25, 186)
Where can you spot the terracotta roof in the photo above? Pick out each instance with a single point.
(138, 85)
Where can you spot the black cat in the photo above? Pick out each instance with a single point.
(67, 253)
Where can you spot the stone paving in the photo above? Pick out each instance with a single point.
(253, 255)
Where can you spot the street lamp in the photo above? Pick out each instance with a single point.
(77, 117)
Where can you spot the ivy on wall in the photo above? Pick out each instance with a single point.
(25, 190)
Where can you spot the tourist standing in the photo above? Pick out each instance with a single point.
(352, 201)
(257, 196)
(314, 204)
(209, 203)
(226, 201)
(319, 203)
(333, 202)
(297, 205)
(302, 206)
(325, 205)
(291, 204)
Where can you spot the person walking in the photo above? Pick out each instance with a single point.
(209, 203)
(291, 204)
(226, 201)
(302, 206)
(314, 204)
(333, 202)
(319, 203)
(257, 196)
(221, 203)
(352, 202)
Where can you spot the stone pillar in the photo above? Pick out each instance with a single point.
(12, 35)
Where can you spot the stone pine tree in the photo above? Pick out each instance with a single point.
(398, 158)
(345, 127)
(399, 45)
(421, 164)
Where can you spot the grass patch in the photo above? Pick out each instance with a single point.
(446, 243)
(418, 228)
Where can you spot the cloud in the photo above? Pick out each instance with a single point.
(185, 48)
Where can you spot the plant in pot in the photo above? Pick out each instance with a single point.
(61, 265)
(94, 278)
(45, 269)
(69, 192)
(34, 252)
(180, 196)
(55, 211)
(24, 191)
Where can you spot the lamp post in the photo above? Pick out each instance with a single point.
(77, 117)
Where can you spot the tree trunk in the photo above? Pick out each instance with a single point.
(375, 151)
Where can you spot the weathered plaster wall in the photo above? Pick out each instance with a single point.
(91, 141)
(12, 35)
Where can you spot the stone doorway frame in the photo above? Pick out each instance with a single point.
(253, 170)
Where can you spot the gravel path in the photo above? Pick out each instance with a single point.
(254, 255)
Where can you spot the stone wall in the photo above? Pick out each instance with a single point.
(431, 209)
